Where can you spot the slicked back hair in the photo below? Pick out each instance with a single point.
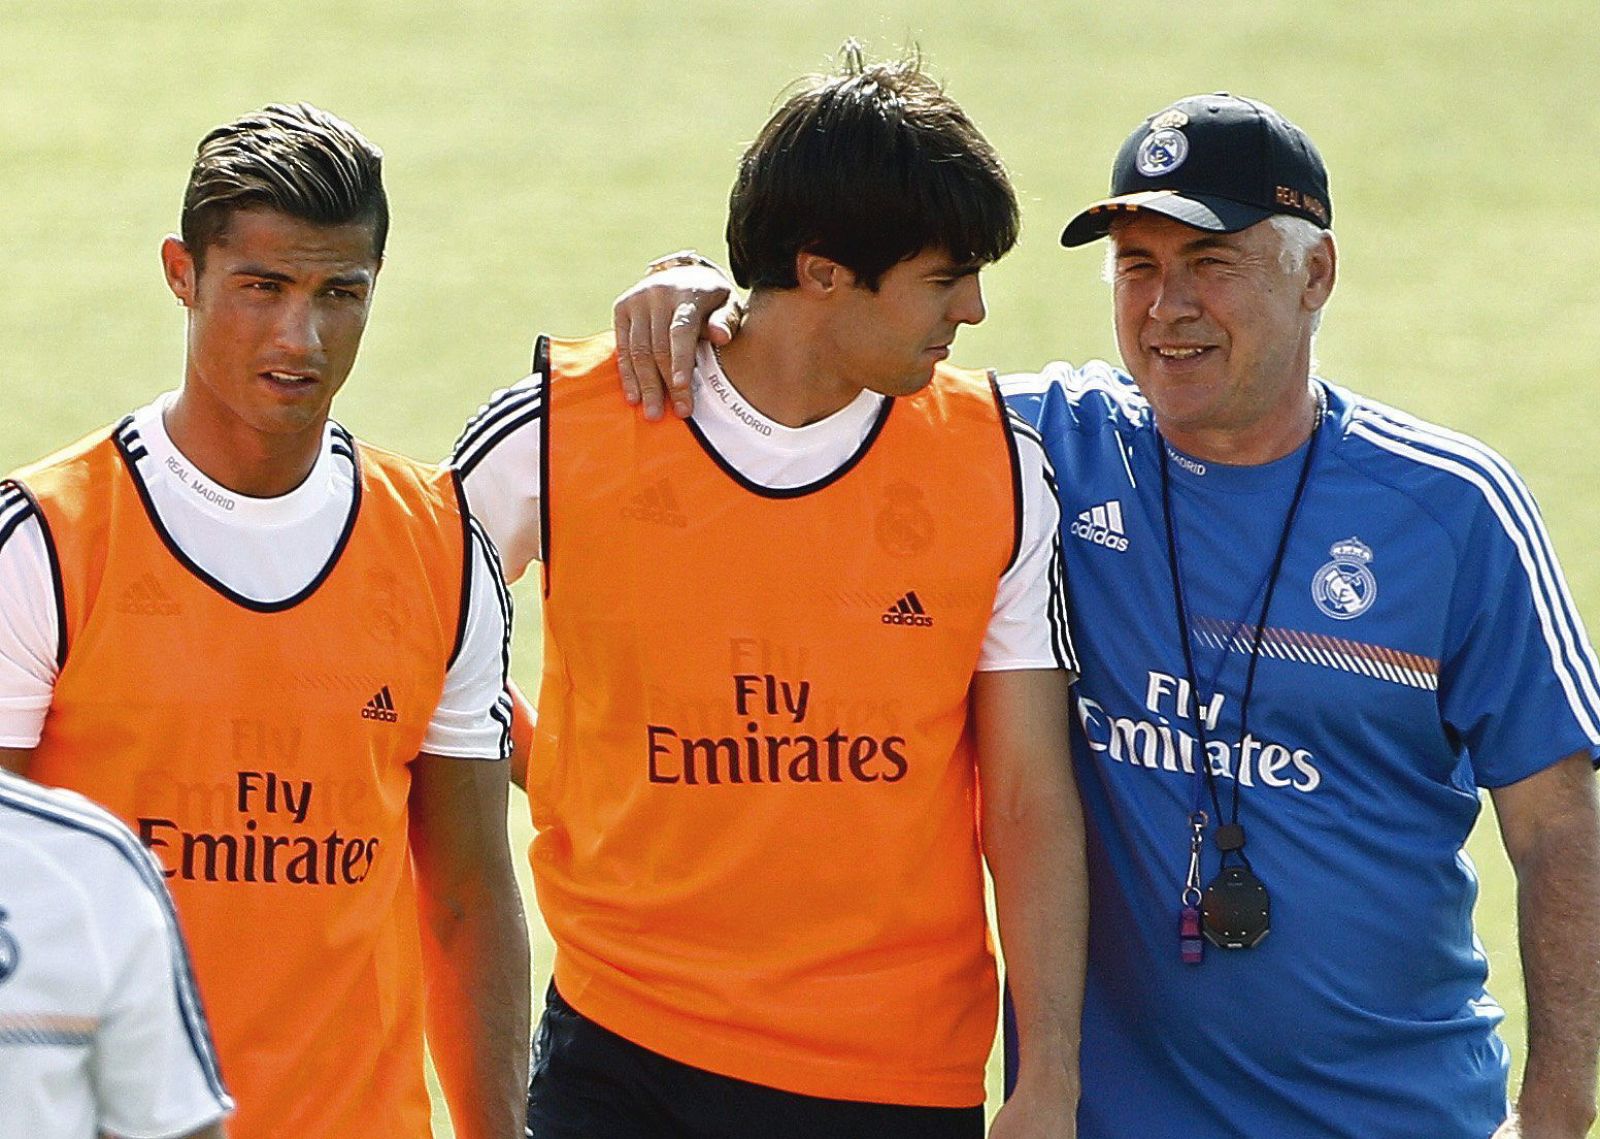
(868, 167)
(294, 158)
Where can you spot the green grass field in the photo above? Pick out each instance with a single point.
(538, 154)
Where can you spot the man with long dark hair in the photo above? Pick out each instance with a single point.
(760, 836)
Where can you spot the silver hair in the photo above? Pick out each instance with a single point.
(1297, 237)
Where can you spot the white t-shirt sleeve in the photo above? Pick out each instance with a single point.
(153, 1066)
(1029, 626)
(473, 718)
(28, 634)
(498, 458)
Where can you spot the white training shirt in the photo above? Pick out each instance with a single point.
(498, 456)
(264, 549)
(101, 1028)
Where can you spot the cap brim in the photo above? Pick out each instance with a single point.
(1219, 215)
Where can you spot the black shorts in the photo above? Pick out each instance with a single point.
(590, 1083)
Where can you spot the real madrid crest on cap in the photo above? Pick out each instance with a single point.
(1162, 151)
(1215, 162)
(10, 952)
(1345, 588)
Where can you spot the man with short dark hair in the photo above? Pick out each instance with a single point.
(1323, 626)
(278, 654)
(760, 838)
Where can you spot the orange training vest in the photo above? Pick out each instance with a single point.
(262, 753)
(757, 847)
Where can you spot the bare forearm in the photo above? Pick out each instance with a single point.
(478, 1012)
(1033, 840)
(1559, 932)
(1034, 847)
(474, 941)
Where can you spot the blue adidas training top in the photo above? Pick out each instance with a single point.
(1421, 645)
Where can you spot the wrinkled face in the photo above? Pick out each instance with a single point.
(888, 341)
(1212, 326)
(275, 319)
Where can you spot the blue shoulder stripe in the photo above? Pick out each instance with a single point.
(1572, 656)
(501, 711)
(20, 796)
(1060, 631)
(15, 509)
(507, 410)
(132, 443)
(1060, 628)
(1021, 425)
(501, 714)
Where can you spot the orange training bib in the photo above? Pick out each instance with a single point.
(262, 752)
(757, 845)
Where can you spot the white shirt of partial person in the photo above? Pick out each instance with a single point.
(101, 1029)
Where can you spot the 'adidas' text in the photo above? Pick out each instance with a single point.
(381, 707)
(1102, 525)
(656, 504)
(146, 598)
(907, 611)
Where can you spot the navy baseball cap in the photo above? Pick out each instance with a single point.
(1215, 162)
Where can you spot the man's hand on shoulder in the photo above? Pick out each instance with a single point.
(659, 322)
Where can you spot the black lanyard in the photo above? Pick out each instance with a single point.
(1235, 901)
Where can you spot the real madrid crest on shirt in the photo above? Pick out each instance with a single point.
(1345, 588)
(10, 952)
(904, 525)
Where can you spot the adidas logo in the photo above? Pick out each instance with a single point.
(656, 504)
(1102, 525)
(381, 707)
(146, 598)
(907, 611)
